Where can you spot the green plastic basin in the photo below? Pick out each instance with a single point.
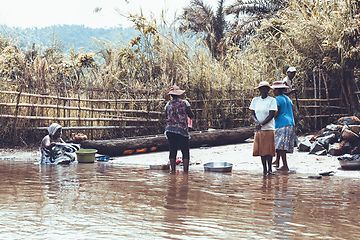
(86, 155)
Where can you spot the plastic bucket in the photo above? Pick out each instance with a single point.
(86, 155)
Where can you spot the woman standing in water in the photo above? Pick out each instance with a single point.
(262, 112)
(285, 138)
(176, 131)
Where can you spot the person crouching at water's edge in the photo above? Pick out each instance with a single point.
(177, 131)
(53, 148)
(262, 112)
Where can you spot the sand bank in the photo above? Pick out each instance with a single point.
(302, 164)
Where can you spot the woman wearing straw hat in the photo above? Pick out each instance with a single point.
(285, 138)
(262, 112)
(176, 131)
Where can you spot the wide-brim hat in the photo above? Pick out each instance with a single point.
(279, 84)
(291, 69)
(263, 84)
(175, 90)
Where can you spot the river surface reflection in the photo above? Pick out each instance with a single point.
(114, 201)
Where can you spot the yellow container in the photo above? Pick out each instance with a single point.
(86, 155)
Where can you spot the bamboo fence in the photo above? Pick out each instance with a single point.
(127, 117)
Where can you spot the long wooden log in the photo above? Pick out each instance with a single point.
(118, 147)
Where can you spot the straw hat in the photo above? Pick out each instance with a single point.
(263, 84)
(175, 90)
(291, 69)
(279, 84)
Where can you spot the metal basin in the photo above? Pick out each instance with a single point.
(160, 167)
(351, 162)
(350, 165)
(218, 167)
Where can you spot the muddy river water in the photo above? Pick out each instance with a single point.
(116, 201)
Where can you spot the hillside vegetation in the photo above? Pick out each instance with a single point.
(308, 35)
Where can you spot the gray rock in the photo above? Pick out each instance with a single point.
(335, 149)
(304, 146)
(326, 140)
(321, 153)
(333, 127)
(316, 147)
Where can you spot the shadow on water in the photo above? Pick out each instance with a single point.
(114, 201)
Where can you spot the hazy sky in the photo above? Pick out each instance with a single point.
(41, 13)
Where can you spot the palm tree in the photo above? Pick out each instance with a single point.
(248, 15)
(199, 18)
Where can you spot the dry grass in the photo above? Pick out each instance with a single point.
(158, 57)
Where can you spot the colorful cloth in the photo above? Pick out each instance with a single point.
(177, 117)
(262, 108)
(60, 153)
(264, 143)
(285, 138)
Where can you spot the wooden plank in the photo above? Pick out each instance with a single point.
(202, 109)
(220, 100)
(324, 107)
(318, 100)
(81, 119)
(29, 105)
(326, 115)
(95, 127)
(82, 99)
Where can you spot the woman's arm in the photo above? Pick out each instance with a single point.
(277, 112)
(257, 123)
(189, 112)
(269, 117)
(46, 143)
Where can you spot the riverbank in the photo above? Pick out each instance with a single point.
(302, 164)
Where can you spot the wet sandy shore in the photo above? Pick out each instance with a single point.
(240, 155)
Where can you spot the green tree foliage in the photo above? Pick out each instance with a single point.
(199, 19)
(305, 34)
(248, 15)
(70, 36)
(312, 34)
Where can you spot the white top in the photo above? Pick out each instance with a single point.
(288, 82)
(262, 108)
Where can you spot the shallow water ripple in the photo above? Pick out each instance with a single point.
(114, 201)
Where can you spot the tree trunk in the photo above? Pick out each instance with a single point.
(118, 147)
(350, 84)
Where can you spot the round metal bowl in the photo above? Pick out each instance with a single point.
(218, 167)
(160, 167)
(350, 165)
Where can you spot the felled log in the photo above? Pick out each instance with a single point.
(118, 147)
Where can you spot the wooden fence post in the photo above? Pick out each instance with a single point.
(315, 95)
(320, 110)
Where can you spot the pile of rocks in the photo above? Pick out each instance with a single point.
(335, 139)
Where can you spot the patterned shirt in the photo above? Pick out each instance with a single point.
(177, 117)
